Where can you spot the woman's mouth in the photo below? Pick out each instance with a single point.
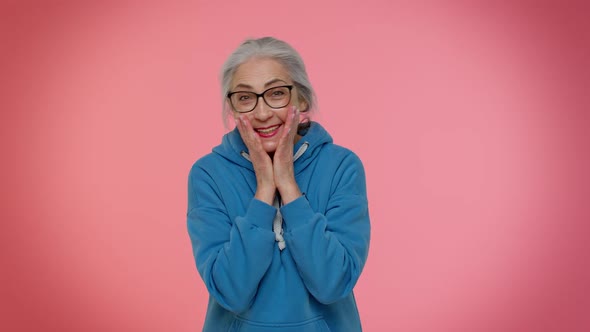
(268, 131)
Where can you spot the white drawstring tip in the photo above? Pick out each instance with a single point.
(281, 241)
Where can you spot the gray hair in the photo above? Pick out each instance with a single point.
(268, 47)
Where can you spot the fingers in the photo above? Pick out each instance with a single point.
(247, 132)
(284, 152)
(243, 126)
(291, 124)
(240, 125)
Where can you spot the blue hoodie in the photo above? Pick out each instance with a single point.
(253, 284)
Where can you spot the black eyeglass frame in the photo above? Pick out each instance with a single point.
(258, 95)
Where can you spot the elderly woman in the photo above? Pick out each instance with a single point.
(277, 213)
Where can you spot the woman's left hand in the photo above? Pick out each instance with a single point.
(284, 173)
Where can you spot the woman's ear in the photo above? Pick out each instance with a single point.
(303, 106)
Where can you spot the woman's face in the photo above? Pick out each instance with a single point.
(258, 75)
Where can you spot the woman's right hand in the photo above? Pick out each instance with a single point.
(261, 161)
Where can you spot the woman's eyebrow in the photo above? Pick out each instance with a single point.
(246, 86)
(242, 85)
(273, 82)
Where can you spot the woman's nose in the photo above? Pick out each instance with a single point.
(262, 111)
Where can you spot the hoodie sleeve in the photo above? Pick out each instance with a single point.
(231, 256)
(330, 250)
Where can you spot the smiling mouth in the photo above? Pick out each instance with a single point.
(267, 131)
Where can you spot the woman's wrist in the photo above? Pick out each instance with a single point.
(289, 192)
(265, 194)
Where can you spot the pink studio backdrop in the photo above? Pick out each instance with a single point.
(472, 121)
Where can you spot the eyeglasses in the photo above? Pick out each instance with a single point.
(246, 101)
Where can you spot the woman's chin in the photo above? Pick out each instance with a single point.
(270, 147)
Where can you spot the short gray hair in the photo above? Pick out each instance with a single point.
(268, 47)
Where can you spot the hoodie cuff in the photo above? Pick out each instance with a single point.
(297, 212)
(260, 214)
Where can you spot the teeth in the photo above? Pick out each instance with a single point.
(267, 130)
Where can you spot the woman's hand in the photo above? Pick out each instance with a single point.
(275, 173)
(261, 161)
(282, 163)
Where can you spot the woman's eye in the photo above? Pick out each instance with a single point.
(278, 93)
(244, 98)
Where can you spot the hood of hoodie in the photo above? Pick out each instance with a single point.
(232, 147)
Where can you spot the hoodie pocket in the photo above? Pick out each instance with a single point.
(317, 324)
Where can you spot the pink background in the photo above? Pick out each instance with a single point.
(472, 121)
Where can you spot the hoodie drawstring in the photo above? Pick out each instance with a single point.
(277, 224)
